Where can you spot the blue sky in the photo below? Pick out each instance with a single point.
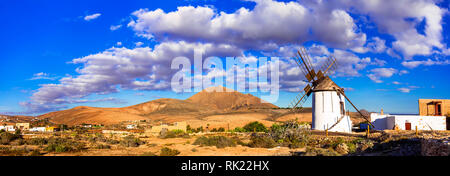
(391, 53)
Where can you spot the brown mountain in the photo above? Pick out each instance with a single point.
(208, 101)
(227, 99)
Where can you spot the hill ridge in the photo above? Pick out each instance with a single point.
(208, 100)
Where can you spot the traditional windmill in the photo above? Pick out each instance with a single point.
(328, 102)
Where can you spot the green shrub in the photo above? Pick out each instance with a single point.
(63, 145)
(19, 141)
(131, 141)
(358, 140)
(148, 154)
(275, 127)
(58, 148)
(174, 134)
(339, 140)
(8, 151)
(221, 129)
(218, 141)
(312, 151)
(102, 146)
(37, 141)
(189, 129)
(199, 129)
(291, 134)
(112, 141)
(35, 153)
(6, 138)
(255, 127)
(352, 147)
(98, 138)
(169, 152)
(178, 131)
(261, 141)
(297, 144)
(239, 129)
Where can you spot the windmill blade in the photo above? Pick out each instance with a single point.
(301, 66)
(301, 98)
(299, 104)
(326, 64)
(297, 98)
(304, 60)
(333, 67)
(330, 65)
(367, 119)
(305, 56)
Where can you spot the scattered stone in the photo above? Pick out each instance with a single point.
(435, 147)
(385, 137)
(365, 145)
(342, 148)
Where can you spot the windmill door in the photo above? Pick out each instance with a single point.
(407, 126)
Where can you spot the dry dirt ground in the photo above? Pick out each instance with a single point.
(153, 144)
(186, 148)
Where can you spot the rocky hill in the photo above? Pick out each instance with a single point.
(208, 101)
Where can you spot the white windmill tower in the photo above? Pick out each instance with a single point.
(328, 102)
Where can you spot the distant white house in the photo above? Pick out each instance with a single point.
(8, 128)
(132, 126)
(407, 122)
(86, 125)
(38, 129)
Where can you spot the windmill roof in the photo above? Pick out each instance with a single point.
(326, 84)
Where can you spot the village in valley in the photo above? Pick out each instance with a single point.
(280, 133)
(225, 78)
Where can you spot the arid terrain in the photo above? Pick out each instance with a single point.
(313, 143)
(224, 123)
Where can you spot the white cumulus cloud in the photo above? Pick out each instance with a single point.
(91, 17)
(115, 27)
(266, 26)
(377, 73)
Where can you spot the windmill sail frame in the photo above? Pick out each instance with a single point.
(322, 80)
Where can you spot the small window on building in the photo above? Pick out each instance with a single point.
(342, 108)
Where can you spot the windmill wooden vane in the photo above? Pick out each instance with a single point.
(328, 99)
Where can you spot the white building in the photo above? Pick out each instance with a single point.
(86, 125)
(408, 122)
(38, 129)
(8, 128)
(132, 126)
